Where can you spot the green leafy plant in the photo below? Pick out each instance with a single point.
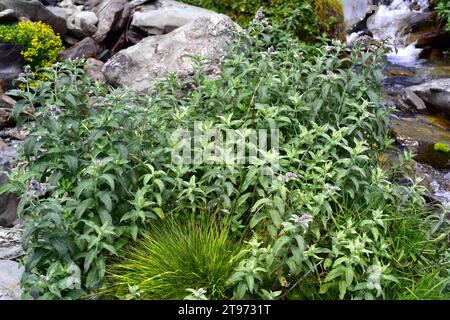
(97, 169)
(307, 19)
(443, 9)
(175, 255)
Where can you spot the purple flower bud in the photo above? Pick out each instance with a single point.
(304, 219)
(259, 14)
(290, 176)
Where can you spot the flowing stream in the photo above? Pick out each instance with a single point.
(405, 68)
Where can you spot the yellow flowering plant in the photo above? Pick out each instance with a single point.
(40, 44)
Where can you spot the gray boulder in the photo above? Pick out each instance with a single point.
(88, 16)
(10, 243)
(7, 105)
(80, 28)
(11, 62)
(410, 102)
(435, 94)
(141, 65)
(35, 11)
(10, 276)
(8, 16)
(8, 202)
(111, 18)
(163, 16)
(355, 11)
(86, 48)
(93, 68)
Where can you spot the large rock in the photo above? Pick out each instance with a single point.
(86, 48)
(93, 68)
(10, 276)
(355, 11)
(435, 94)
(11, 62)
(88, 16)
(10, 243)
(420, 129)
(436, 39)
(142, 64)
(6, 107)
(8, 16)
(110, 18)
(35, 11)
(163, 16)
(80, 28)
(409, 101)
(8, 202)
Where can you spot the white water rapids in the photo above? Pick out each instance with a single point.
(389, 22)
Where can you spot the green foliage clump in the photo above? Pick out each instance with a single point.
(40, 44)
(441, 147)
(307, 19)
(443, 9)
(97, 169)
(174, 256)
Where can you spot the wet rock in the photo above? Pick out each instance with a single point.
(438, 39)
(10, 243)
(410, 102)
(86, 48)
(428, 154)
(149, 60)
(436, 181)
(440, 71)
(422, 21)
(399, 73)
(420, 130)
(7, 105)
(10, 276)
(93, 68)
(11, 62)
(109, 13)
(163, 16)
(355, 11)
(435, 94)
(431, 54)
(36, 11)
(8, 16)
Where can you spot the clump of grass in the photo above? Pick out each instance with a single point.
(173, 256)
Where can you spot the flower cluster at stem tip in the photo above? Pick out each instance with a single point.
(40, 45)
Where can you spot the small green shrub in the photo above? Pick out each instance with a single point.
(307, 19)
(174, 256)
(97, 168)
(443, 9)
(40, 44)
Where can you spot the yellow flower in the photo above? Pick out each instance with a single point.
(40, 44)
